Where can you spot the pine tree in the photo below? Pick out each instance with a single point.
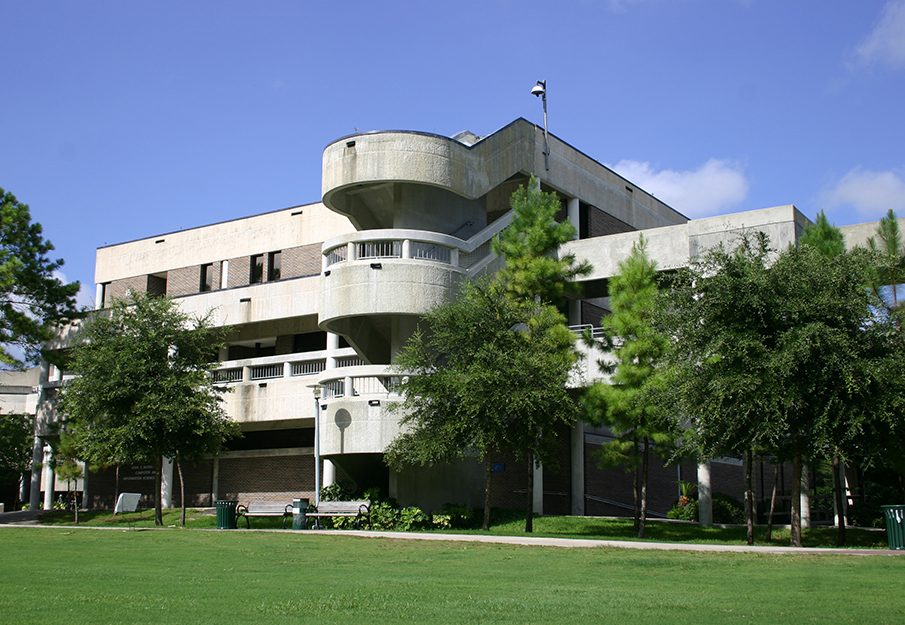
(628, 404)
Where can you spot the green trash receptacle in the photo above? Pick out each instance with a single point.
(895, 526)
(299, 514)
(226, 514)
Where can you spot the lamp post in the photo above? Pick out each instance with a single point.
(316, 389)
(540, 90)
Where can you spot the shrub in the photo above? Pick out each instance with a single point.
(726, 509)
(687, 512)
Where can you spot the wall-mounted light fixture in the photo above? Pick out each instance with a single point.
(373, 402)
(327, 273)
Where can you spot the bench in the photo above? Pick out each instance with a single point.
(358, 509)
(263, 509)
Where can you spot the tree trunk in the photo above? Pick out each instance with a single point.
(837, 497)
(489, 471)
(158, 485)
(749, 496)
(181, 489)
(645, 459)
(772, 503)
(795, 540)
(529, 511)
(116, 486)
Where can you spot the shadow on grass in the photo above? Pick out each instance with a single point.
(512, 523)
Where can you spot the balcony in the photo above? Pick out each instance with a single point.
(356, 415)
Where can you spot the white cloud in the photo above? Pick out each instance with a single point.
(712, 188)
(868, 192)
(886, 43)
(85, 296)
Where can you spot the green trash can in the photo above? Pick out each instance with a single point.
(226, 514)
(895, 526)
(299, 514)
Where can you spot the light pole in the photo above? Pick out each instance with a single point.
(316, 389)
(540, 89)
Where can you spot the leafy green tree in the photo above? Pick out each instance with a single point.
(16, 439)
(487, 375)
(536, 271)
(144, 389)
(786, 357)
(33, 302)
(887, 245)
(629, 402)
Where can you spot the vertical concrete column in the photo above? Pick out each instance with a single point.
(37, 458)
(454, 257)
(574, 214)
(574, 312)
(348, 389)
(223, 353)
(84, 466)
(224, 274)
(332, 346)
(287, 369)
(394, 484)
(537, 504)
(351, 255)
(166, 483)
(805, 498)
(329, 474)
(705, 495)
(98, 296)
(246, 374)
(406, 248)
(576, 446)
(48, 481)
(215, 480)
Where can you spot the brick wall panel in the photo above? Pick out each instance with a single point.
(184, 281)
(302, 261)
(267, 478)
(239, 271)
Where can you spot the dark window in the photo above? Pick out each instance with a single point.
(309, 342)
(207, 278)
(257, 269)
(273, 273)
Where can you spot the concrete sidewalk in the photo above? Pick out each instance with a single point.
(29, 519)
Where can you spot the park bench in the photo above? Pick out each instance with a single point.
(263, 509)
(358, 509)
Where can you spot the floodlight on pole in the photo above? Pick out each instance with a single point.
(540, 90)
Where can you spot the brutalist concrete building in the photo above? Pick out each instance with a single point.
(327, 293)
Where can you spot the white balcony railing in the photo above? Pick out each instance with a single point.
(417, 245)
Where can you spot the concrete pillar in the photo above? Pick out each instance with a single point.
(406, 248)
(805, 499)
(166, 484)
(705, 495)
(37, 458)
(332, 346)
(574, 312)
(98, 296)
(394, 484)
(224, 274)
(215, 480)
(48, 477)
(537, 504)
(573, 213)
(329, 474)
(576, 445)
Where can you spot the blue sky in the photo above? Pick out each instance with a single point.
(126, 119)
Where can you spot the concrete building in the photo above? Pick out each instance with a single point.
(327, 293)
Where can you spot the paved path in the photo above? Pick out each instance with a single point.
(29, 519)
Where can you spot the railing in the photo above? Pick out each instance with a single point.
(228, 375)
(418, 245)
(308, 367)
(359, 381)
(265, 372)
(350, 361)
(272, 367)
(595, 331)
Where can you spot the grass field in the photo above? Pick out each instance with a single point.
(68, 575)
(513, 523)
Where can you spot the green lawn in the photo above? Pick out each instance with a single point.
(68, 575)
(513, 523)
